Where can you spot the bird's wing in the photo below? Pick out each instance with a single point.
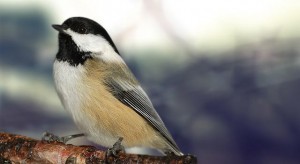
(135, 97)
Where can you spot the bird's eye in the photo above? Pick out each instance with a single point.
(82, 30)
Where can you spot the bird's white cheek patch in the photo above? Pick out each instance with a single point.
(96, 44)
(88, 42)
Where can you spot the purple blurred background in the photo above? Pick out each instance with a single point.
(224, 76)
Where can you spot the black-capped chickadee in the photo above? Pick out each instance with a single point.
(97, 88)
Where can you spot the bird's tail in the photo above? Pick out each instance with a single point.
(173, 149)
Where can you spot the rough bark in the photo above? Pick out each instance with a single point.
(22, 149)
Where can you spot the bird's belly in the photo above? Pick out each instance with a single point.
(68, 82)
(97, 112)
(109, 119)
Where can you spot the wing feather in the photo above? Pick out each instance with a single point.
(135, 97)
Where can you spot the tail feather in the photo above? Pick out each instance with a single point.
(174, 149)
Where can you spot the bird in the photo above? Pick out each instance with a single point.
(102, 95)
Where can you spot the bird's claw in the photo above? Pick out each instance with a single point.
(50, 137)
(116, 149)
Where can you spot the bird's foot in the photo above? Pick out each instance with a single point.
(49, 137)
(116, 149)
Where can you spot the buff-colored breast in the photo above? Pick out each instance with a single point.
(109, 118)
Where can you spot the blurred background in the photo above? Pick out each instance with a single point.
(223, 75)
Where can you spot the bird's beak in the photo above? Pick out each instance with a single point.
(59, 28)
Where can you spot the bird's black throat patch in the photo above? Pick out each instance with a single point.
(68, 51)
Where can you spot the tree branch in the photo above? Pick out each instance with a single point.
(21, 149)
